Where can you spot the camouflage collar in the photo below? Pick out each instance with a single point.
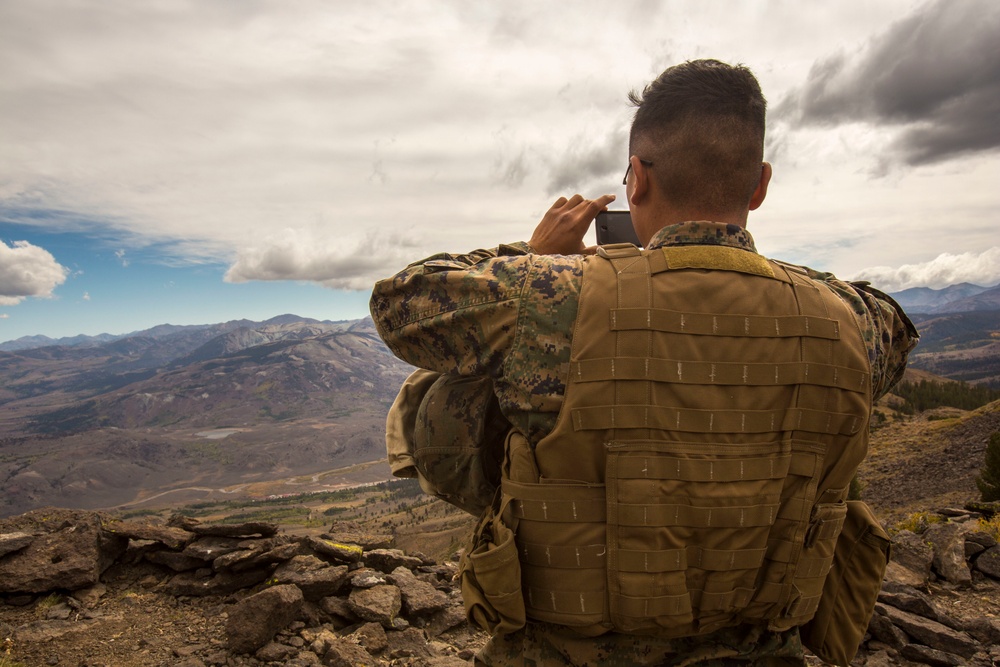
(702, 232)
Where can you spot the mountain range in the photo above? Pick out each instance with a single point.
(193, 412)
(961, 298)
(185, 413)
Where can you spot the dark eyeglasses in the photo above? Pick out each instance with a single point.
(646, 163)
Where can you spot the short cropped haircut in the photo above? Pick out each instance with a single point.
(701, 124)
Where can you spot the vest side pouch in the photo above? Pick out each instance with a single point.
(851, 588)
(491, 575)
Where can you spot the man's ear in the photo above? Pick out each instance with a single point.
(761, 191)
(640, 181)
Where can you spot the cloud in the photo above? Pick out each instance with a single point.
(587, 159)
(933, 78)
(299, 255)
(86, 296)
(27, 270)
(120, 254)
(946, 269)
(195, 132)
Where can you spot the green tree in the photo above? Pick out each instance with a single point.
(989, 478)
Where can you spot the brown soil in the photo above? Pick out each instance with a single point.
(928, 461)
(922, 463)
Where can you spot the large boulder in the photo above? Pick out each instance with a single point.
(419, 597)
(314, 577)
(948, 542)
(69, 550)
(254, 621)
(988, 562)
(380, 604)
(911, 559)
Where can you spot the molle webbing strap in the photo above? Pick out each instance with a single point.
(697, 517)
(752, 326)
(559, 511)
(594, 556)
(565, 602)
(556, 502)
(635, 290)
(589, 556)
(670, 560)
(675, 605)
(714, 421)
(703, 372)
(653, 607)
(701, 470)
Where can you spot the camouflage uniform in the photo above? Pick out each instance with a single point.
(508, 315)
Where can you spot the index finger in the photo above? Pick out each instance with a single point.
(595, 206)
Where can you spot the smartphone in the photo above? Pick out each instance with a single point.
(615, 227)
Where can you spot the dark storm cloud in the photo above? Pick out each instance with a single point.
(584, 162)
(935, 75)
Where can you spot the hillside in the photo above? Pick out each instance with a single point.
(930, 460)
(959, 298)
(960, 346)
(192, 415)
(180, 595)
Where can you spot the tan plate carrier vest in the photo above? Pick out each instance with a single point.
(716, 410)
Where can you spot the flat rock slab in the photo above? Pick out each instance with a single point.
(172, 538)
(314, 577)
(249, 529)
(210, 548)
(341, 551)
(348, 532)
(926, 655)
(930, 633)
(387, 560)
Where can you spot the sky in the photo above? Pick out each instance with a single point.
(193, 162)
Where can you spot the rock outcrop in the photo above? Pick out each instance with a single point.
(238, 595)
(290, 601)
(909, 626)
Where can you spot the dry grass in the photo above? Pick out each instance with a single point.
(991, 526)
(5, 659)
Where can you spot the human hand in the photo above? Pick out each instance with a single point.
(561, 229)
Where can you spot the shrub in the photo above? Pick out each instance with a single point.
(990, 526)
(918, 522)
(989, 477)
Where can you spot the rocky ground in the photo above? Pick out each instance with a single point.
(84, 589)
(231, 596)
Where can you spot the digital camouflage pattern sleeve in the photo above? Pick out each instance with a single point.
(889, 334)
(505, 314)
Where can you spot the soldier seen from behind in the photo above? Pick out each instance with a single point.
(660, 440)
